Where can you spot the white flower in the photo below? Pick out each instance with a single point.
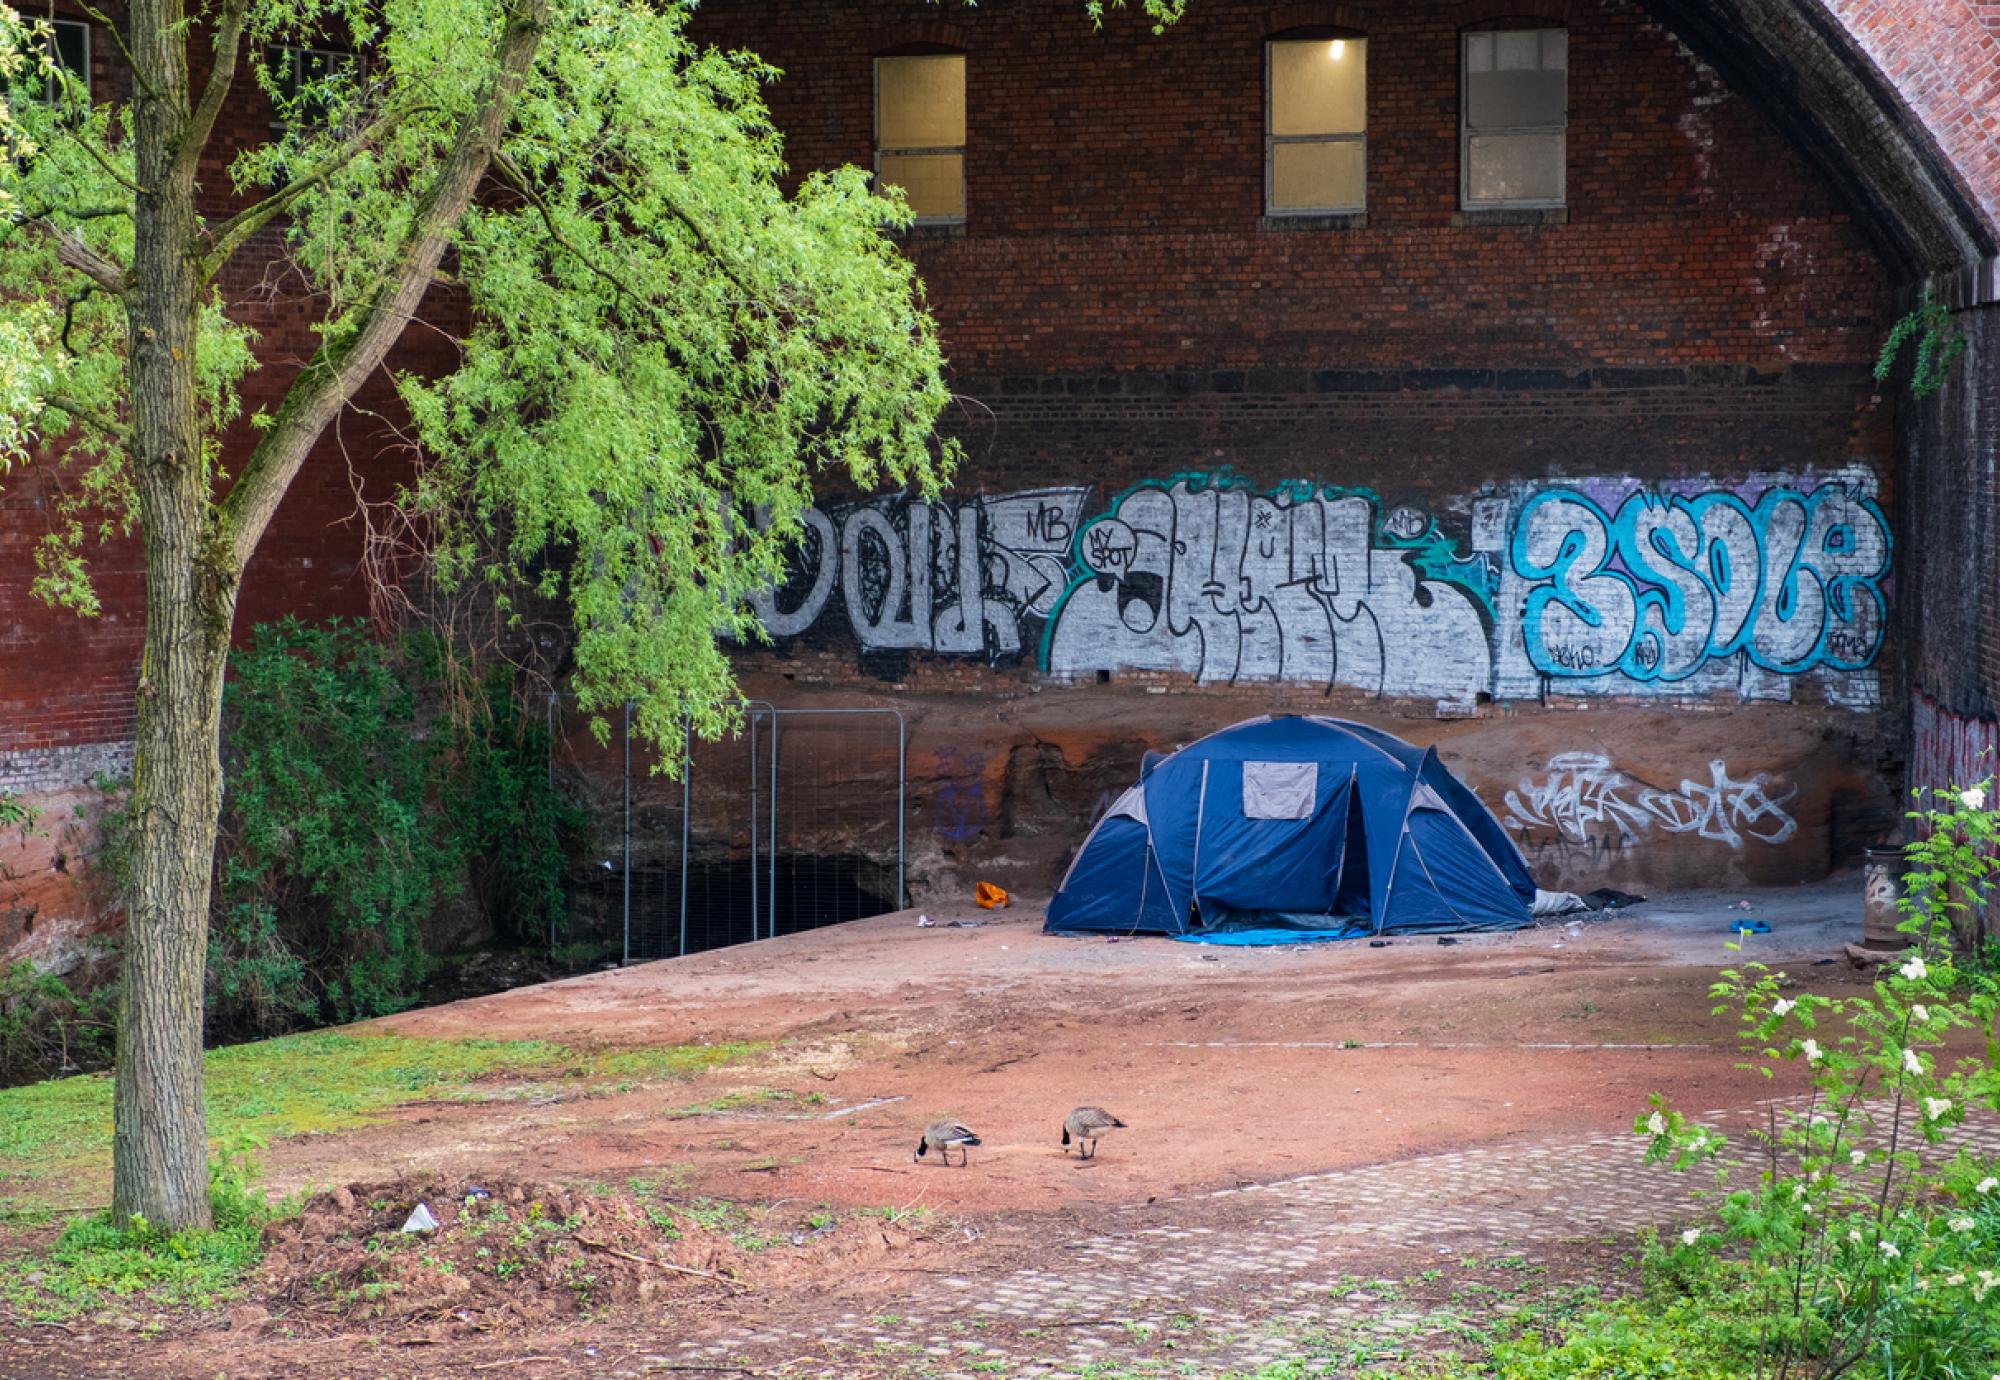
(1656, 1124)
(1798, 1192)
(1854, 1235)
(1961, 1224)
(1988, 1184)
(1889, 1250)
(1857, 1158)
(1782, 1006)
(1954, 1280)
(1810, 1048)
(1936, 1107)
(1915, 970)
(1923, 1284)
(1700, 1141)
(1920, 1013)
(1911, 1063)
(1974, 799)
(1690, 1236)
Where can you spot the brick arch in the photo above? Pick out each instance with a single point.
(1886, 115)
(1487, 11)
(934, 32)
(1325, 15)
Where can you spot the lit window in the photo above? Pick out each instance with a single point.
(920, 132)
(1515, 121)
(1316, 125)
(69, 45)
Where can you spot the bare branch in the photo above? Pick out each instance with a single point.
(228, 38)
(90, 417)
(336, 371)
(81, 257)
(229, 236)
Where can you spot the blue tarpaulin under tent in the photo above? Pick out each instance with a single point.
(1298, 827)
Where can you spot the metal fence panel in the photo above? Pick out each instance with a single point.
(795, 822)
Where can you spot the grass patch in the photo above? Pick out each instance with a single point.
(742, 1099)
(323, 1081)
(95, 1267)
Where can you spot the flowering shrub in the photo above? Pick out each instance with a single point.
(1861, 1248)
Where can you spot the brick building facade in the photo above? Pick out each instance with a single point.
(1599, 497)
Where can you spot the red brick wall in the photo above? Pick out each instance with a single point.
(1115, 189)
(1943, 58)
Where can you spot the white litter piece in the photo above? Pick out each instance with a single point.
(420, 1220)
(924, 922)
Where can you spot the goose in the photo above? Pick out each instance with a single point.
(1086, 1124)
(942, 1136)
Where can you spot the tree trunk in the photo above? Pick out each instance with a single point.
(159, 1146)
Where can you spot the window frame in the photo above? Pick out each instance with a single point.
(1466, 132)
(964, 197)
(83, 27)
(1272, 211)
(358, 63)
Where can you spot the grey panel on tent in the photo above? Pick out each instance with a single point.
(1279, 790)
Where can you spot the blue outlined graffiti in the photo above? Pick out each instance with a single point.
(1668, 584)
(1207, 575)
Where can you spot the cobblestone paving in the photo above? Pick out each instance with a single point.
(1289, 1259)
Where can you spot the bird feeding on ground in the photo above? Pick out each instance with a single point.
(1085, 1125)
(943, 1136)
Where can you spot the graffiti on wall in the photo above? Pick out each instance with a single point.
(1299, 583)
(1663, 585)
(1948, 749)
(1581, 796)
(955, 579)
(1590, 587)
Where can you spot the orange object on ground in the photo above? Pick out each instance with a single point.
(989, 896)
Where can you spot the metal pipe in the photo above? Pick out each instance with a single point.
(687, 778)
(771, 892)
(550, 727)
(752, 705)
(627, 866)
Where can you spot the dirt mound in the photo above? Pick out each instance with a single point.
(511, 1254)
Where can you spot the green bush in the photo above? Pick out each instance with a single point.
(47, 1027)
(1857, 1254)
(355, 807)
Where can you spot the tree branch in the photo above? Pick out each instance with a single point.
(90, 416)
(221, 76)
(340, 365)
(229, 236)
(131, 63)
(81, 257)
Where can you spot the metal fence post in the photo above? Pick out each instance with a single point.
(687, 781)
(627, 867)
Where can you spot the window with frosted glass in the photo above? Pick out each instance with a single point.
(1315, 125)
(920, 132)
(1515, 118)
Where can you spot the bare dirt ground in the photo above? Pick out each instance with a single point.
(1336, 1075)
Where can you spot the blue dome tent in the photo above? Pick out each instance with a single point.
(1303, 824)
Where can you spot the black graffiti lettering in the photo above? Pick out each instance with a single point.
(1046, 522)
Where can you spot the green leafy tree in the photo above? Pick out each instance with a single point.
(658, 346)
